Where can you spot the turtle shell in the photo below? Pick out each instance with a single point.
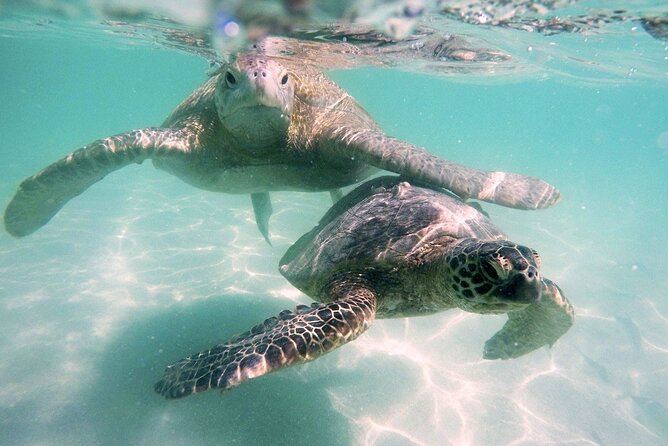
(380, 225)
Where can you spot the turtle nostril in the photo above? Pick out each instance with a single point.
(264, 74)
(532, 273)
(254, 73)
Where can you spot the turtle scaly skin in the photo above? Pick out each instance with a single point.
(291, 338)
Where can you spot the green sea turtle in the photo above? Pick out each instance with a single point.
(263, 124)
(388, 249)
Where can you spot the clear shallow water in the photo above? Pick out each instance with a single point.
(143, 269)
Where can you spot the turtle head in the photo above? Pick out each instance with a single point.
(493, 276)
(254, 100)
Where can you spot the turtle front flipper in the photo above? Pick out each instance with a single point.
(503, 188)
(41, 196)
(291, 338)
(539, 324)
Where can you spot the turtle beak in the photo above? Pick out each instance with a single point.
(525, 287)
(266, 88)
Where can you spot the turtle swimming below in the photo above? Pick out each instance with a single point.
(388, 249)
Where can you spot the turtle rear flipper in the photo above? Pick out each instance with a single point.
(503, 188)
(291, 338)
(262, 209)
(41, 196)
(539, 324)
(335, 195)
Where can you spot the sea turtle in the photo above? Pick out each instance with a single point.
(263, 124)
(388, 249)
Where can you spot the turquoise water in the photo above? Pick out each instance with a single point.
(141, 269)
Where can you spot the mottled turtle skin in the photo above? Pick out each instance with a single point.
(388, 249)
(263, 124)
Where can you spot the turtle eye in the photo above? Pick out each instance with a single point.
(230, 79)
(536, 258)
(284, 79)
(493, 270)
(489, 271)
